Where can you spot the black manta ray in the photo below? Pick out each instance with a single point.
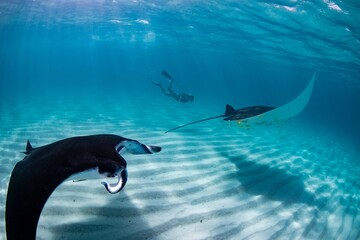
(262, 114)
(231, 114)
(43, 169)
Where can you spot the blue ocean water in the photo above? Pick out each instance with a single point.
(243, 53)
(74, 67)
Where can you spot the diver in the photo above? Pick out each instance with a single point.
(182, 97)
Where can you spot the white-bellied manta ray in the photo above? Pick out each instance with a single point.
(44, 168)
(263, 114)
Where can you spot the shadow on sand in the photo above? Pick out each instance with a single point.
(120, 219)
(270, 182)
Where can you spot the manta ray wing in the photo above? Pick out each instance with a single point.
(287, 111)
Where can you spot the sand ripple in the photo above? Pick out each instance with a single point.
(212, 181)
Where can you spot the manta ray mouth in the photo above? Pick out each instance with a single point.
(119, 185)
(133, 147)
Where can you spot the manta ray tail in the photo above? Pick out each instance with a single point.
(229, 110)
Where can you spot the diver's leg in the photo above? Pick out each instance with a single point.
(161, 87)
(170, 85)
(171, 92)
(163, 90)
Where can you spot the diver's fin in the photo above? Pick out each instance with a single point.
(155, 83)
(229, 110)
(166, 74)
(29, 148)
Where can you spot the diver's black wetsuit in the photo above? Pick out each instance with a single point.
(182, 97)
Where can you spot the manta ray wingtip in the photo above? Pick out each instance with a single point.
(29, 148)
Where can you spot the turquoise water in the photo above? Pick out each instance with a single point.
(243, 53)
(84, 67)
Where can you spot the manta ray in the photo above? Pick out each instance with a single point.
(263, 114)
(44, 168)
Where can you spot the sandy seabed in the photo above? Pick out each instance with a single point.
(213, 180)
